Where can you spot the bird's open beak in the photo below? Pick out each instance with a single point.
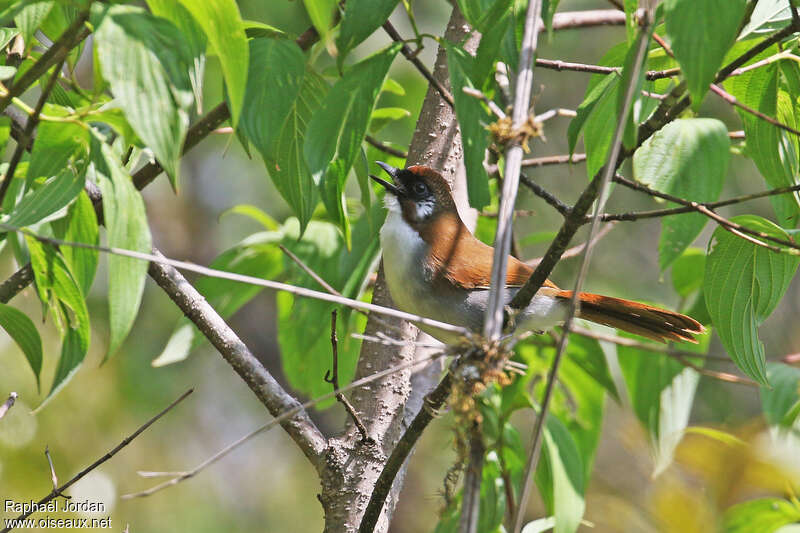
(386, 185)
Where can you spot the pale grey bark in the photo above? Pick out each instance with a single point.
(387, 406)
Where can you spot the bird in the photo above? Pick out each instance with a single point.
(436, 268)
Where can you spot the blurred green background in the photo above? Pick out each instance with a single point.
(267, 484)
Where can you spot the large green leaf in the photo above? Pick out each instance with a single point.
(661, 392)
(701, 33)
(20, 328)
(54, 195)
(687, 271)
(55, 144)
(80, 225)
(764, 515)
(779, 399)
(281, 97)
(31, 17)
(360, 19)
(221, 21)
(474, 136)
(594, 94)
(560, 477)
(334, 136)
(126, 228)
(774, 151)
(195, 39)
(743, 284)
(687, 158)
(58, 289)
(768, 16)
(147, 62)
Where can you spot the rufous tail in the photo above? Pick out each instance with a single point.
(645, 320)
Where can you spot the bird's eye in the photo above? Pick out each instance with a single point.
(420, 188)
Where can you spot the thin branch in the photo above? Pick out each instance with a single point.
(599, 69)
(542, 193)
(333, 379)
(8, 404)
(27, 134)
(728, 97)
(385, 148)
(650, 347)
(420, 66)
(584, 19)
(553, 160)
(604, 185)
(575, 250)
(656, 213)
(493, 107)
(74, 34)
(431, 404)
(159, 259)
(557, 112)
(739, 230)
(53, 476)
(280, 419)
(57, 491)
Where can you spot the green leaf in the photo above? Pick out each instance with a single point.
(61, 293)
(382, 116)
(221, 21)
(337, 130)
(54, 195)
(30, 18)
(195, 39)
(20, 328)
(743, 284)
(56, 143)
(661, 392)
(768, 16)
(774, 151)
(254, 213)
(764, 515)
(597, 133)
(687, 158)
(549, 8)
(687, 271)
(540, 525)
(360, 19)
(560, 477)
(701, 33)
(782, 395)
(126, 228)
(588, 355)
(6, 34)
(80, 225)
(280, 99)
(147, 61)
(474, 136)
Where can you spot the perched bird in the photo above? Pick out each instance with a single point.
(436, 268)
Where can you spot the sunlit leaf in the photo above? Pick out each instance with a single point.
(20, 328)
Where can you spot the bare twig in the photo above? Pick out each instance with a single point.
(728, 97)
(650, 347)
(603, 188)
(746, 233)
(58, 491)
(558, 112)
(283, 417)
(587, 18)
(8, 404)
(542, 193)
(333, 379)
(575, 250)
(53, 476)
(27, 134)
(493, 107)
(385, 148)
(159, 259)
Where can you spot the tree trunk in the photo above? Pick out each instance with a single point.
(387, 406)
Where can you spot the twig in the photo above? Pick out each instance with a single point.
(57, 491)
(553, 160)
(159, 259)
(575, 250)
(53, 476)
(385, 148)
(74, 34)
(650, 347)
(586, 18)
(739, 230)
(493, 107)
(412, 57)
(721, 376)
(557, 112)
(656, 213)
(27, 134)
(431, 404)
(728, 97)
(517, 213)
(542, 193)
(333, 379)
(470, 502)
(283, 417)
(604, 184)
(8, 404)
